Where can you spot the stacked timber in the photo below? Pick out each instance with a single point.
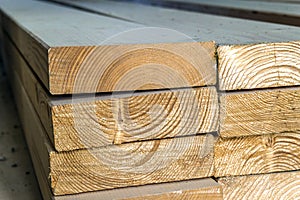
(91, 136)
(86, 130)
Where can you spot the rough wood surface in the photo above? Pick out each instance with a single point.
(257, 154)
(277, 186)
(243, 64)
(96, 169)
(259, 66)
(86, 122)
(99, 60)
(131, 164)
(123, 165)
(259, 112)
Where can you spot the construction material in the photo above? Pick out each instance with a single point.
(259, 66)
(284, 185)
(282, 13)
(119, 118)
(259, 112)
(257, 154)
(118, 141)
(68, 66)
(116, 165)
(243, 64)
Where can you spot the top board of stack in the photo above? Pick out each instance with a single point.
(120, 100)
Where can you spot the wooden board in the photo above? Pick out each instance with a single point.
(51, 165)
(257, 154)
(282, 13)
(284, 185)
(250, 54)
(104, 55)
(259, 112)
(259, 66)
(116, 166)
(87, 122)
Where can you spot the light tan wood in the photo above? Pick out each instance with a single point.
(97, 60)
(259, 112)
(277, 186)
(131, 164)
(117, 166)
(131, 67)
(257, 154)
(123, 165)
(94, 121)
(259, 66)
(250, 54)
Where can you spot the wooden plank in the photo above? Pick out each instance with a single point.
(250, 54)
(259, 112)
(257, 154)
(282, 13)
(116, 166)
(41, 149)
(87, 122)
(259, 66)
(62, 52)
(284, 185)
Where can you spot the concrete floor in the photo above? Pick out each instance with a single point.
(17, 178)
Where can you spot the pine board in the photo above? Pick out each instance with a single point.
(95, 121)
(259, 112)
(72, 56)
(250, 54)
(277, 186)
(117, 166)
(45, 159)
(257, 154)
(282, 13)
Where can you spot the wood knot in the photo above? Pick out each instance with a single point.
(268, 141)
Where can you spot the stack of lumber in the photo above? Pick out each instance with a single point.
(91, 137)
(106, 137)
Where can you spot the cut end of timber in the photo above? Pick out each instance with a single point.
(131, 67)
(259, 112)
(259, 65)
(283, 185)
(257, 154)
(131, 164)
(140, 117)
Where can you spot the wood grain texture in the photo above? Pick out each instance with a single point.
(131, 164)
(259, 66)
(284, 185)
(257, 154)
(52, 166)
(132, 67)
(243, 64)
(94, 121)
(136, 118)
(200, 27)
(259, 112)
(97, 60)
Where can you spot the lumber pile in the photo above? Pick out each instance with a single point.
(112, 109)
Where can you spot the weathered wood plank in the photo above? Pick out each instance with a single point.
(96, 60)
(259, 112)
(250, 54)
(283, 185)
(87, 122)
(257, 154)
